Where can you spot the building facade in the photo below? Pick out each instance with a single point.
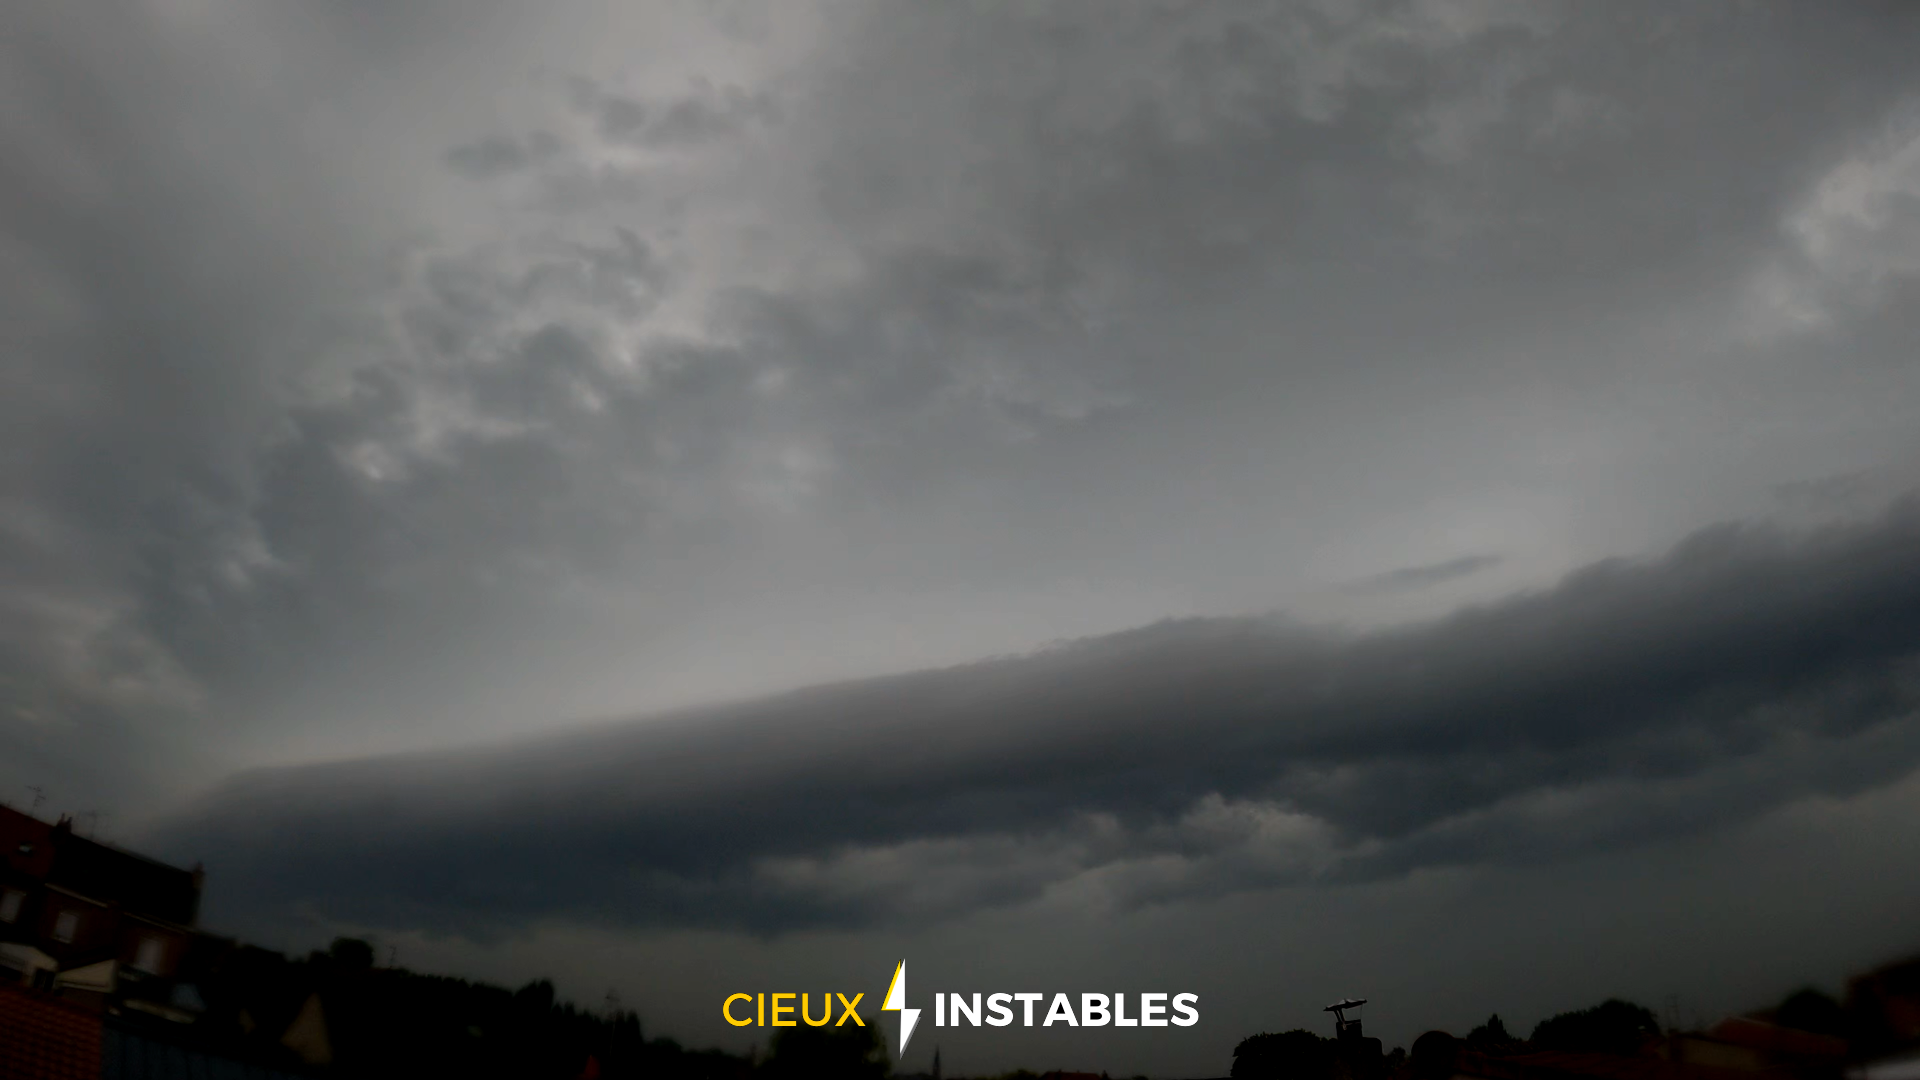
(93, 923)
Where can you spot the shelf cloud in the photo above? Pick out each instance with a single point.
(1102, 459)
(1741, 671)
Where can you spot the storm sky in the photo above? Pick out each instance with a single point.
(1403, 500)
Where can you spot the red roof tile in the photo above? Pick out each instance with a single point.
(43, 1038)
(1774, 1039)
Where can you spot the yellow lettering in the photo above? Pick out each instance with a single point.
(849, 1013)
(779, 1010)
(726, 1010)
(826, 1011)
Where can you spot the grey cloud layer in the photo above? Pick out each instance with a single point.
(363, 385)
(1743, 670)
(1420, 577)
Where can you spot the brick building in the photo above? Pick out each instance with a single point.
(92, 923)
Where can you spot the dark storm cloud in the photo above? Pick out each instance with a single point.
(1743, 670)
(1420, 577)
(1826, 491)
(1195, 147)
(149, 328)
(1168, 300)
(705, 114)
(381, 377)
(500, 155)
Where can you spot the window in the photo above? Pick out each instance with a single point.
(66, 925)
(147, 957)
(10, 902)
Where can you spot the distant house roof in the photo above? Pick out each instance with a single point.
(1774, 1039)
(134, 882)
(42, 1038)
(1557, 1065)
(53, 854)
(25, 843)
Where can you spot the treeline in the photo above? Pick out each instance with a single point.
(395, 1023)
(1611, 1027)
(392, 1022)
(267, 1009)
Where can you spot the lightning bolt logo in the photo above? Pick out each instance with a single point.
(896, 1001)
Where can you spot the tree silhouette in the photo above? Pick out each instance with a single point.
(351, 954)
(1290, 1055)
(1492, 1037)
(1611, 1027)
(836, 1053)
(1434, 1056)
(1811, 1010)
(1494, 1030)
